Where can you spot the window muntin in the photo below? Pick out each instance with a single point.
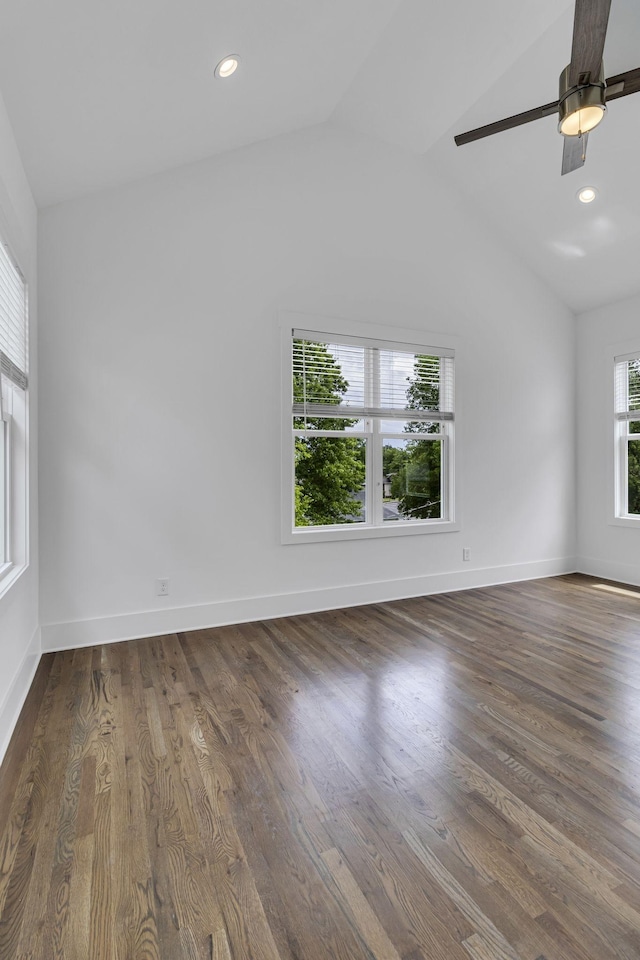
(388, 408)
(627, 427)
(13, 410)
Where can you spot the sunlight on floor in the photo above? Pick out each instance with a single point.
(611, 589)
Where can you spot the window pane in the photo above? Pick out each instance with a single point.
(634, 426)
(633, 367)
(328, 373)
(410, 380)
(412, 483)
(411, 426)
(13, 316)
(346, 424)
(633, 476)
(329, 480)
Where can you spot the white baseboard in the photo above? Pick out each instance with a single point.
(151, 623)
(17, 693)
(609, 570)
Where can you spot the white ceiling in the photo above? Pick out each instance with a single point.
(102, 93)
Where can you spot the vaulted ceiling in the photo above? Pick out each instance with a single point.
(99, 94)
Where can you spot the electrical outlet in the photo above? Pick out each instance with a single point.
(466, 553)
(162, 588)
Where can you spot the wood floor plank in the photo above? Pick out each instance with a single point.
(482, 923)
(40, 842)
(480, 949)
(365, 920)
(419, 913)
(440, 778)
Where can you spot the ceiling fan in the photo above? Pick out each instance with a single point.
(584, 93)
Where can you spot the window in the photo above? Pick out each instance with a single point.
(13, 407)
(627, 427)
(370, 450)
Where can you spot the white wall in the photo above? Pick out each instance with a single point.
(19, 634)
(604, 549)
(159, 314)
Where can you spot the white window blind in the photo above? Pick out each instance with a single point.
(391, 381)
(13, 321)
(627, 374)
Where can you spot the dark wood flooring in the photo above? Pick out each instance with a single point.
(443, 778)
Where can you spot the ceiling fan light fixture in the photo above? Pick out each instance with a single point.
(582, 120)
(581, 107)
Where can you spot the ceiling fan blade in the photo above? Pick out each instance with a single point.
(519, 118)
(623, 84)
(589, 32)
(574, 153)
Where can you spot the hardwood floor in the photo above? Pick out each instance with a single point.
(443, 778)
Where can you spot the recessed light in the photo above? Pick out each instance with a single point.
(227, 66)
(587, 194)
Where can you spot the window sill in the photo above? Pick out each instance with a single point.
(353, 532)
(9, 573)
(625, 521)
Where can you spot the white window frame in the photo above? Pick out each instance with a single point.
(621, 435)
(14, 460)
(373, 527)
(5, 492)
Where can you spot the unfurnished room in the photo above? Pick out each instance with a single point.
(319, 480)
